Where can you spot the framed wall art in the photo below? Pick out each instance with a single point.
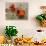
(16, 11)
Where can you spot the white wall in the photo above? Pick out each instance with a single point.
(25, 27)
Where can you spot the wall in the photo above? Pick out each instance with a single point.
(25, 27)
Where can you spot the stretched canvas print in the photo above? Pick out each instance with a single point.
(16, 11)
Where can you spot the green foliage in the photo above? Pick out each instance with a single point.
(45, 17)
(41, 17)
(11, 31)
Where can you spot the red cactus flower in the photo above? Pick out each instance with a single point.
(21, 12)
(12, 8)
